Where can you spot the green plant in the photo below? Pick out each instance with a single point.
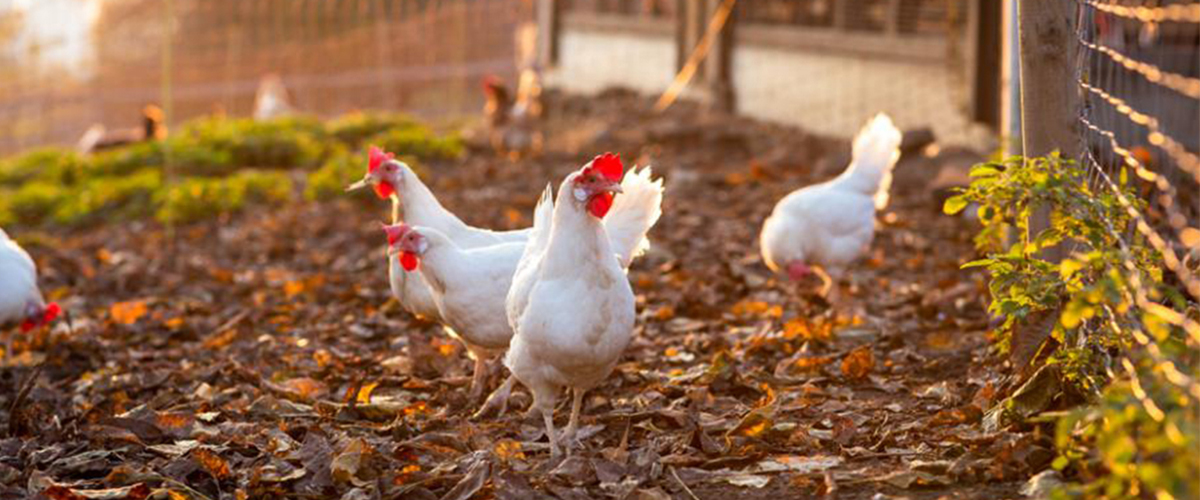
(354, 128)
(50, 164)
(419, 142)
(1138, 433)
(200, 198)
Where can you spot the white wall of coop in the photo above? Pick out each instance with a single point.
(835, 94)
(592, 61)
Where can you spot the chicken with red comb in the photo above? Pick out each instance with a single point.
(21, 301)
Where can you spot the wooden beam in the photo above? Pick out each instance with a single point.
(717, 71)
(1049, 95)
(549, 20)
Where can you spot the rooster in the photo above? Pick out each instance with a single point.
(99, 138)
(512, 122)
(20, 300)
(467, 286)
(570, 305)
(823, 228)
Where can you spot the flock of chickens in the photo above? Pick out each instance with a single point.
(554, 299)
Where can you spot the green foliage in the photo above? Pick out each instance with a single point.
(1139, 435)
(1121, 449)
(49, 164)
(201, 198)
(420, 143)
(215, 167)
(1011, 193)
(281, 143)
(355, 128)
(34, 202)
(330, 181)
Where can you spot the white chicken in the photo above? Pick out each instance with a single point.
(272, 100)
(20, 299)
(415, 204)
(468, 287)
(823, 228)
(570, 305)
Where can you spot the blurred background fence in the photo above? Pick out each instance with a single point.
(1137, 70)
(66, 64)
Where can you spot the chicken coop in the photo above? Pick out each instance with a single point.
(824, 65)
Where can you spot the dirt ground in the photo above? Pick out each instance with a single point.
(263, 357)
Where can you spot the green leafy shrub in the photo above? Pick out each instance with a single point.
(282, 143)
(35, 202)
(1138, 435)
(110, 196)
(49, 164)
(419, 142)
(330, 181)
(354, 128)
(200, 198)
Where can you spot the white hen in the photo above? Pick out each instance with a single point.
(823, 228)
(20, 299)
(570, 305)
(468, 288)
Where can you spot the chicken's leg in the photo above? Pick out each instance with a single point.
(573, 426)
(498, 400)
(479, 379)
(548, 417)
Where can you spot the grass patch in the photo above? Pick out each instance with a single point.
(218, 166)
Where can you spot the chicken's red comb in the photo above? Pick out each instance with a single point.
(52, 312)
(395, 232)
(609, 165)
(376, 157)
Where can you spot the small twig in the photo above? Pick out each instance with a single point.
(682, 484)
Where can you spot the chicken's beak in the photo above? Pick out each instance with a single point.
(367, 180)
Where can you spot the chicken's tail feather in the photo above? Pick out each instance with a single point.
(876, 150)
(633, 213)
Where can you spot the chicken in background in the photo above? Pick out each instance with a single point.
(824, 228)
(21, 301)
(99, 138)
(272, 100)
(570, 306)
(513, 122)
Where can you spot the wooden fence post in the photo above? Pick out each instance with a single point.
(717, 71)
(548, 16)
(1049, 95)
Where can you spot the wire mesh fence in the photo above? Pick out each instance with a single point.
(1138, 73)
(427, 57)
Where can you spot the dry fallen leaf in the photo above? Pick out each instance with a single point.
(212, 463)
(127, 313)
(859, 363)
